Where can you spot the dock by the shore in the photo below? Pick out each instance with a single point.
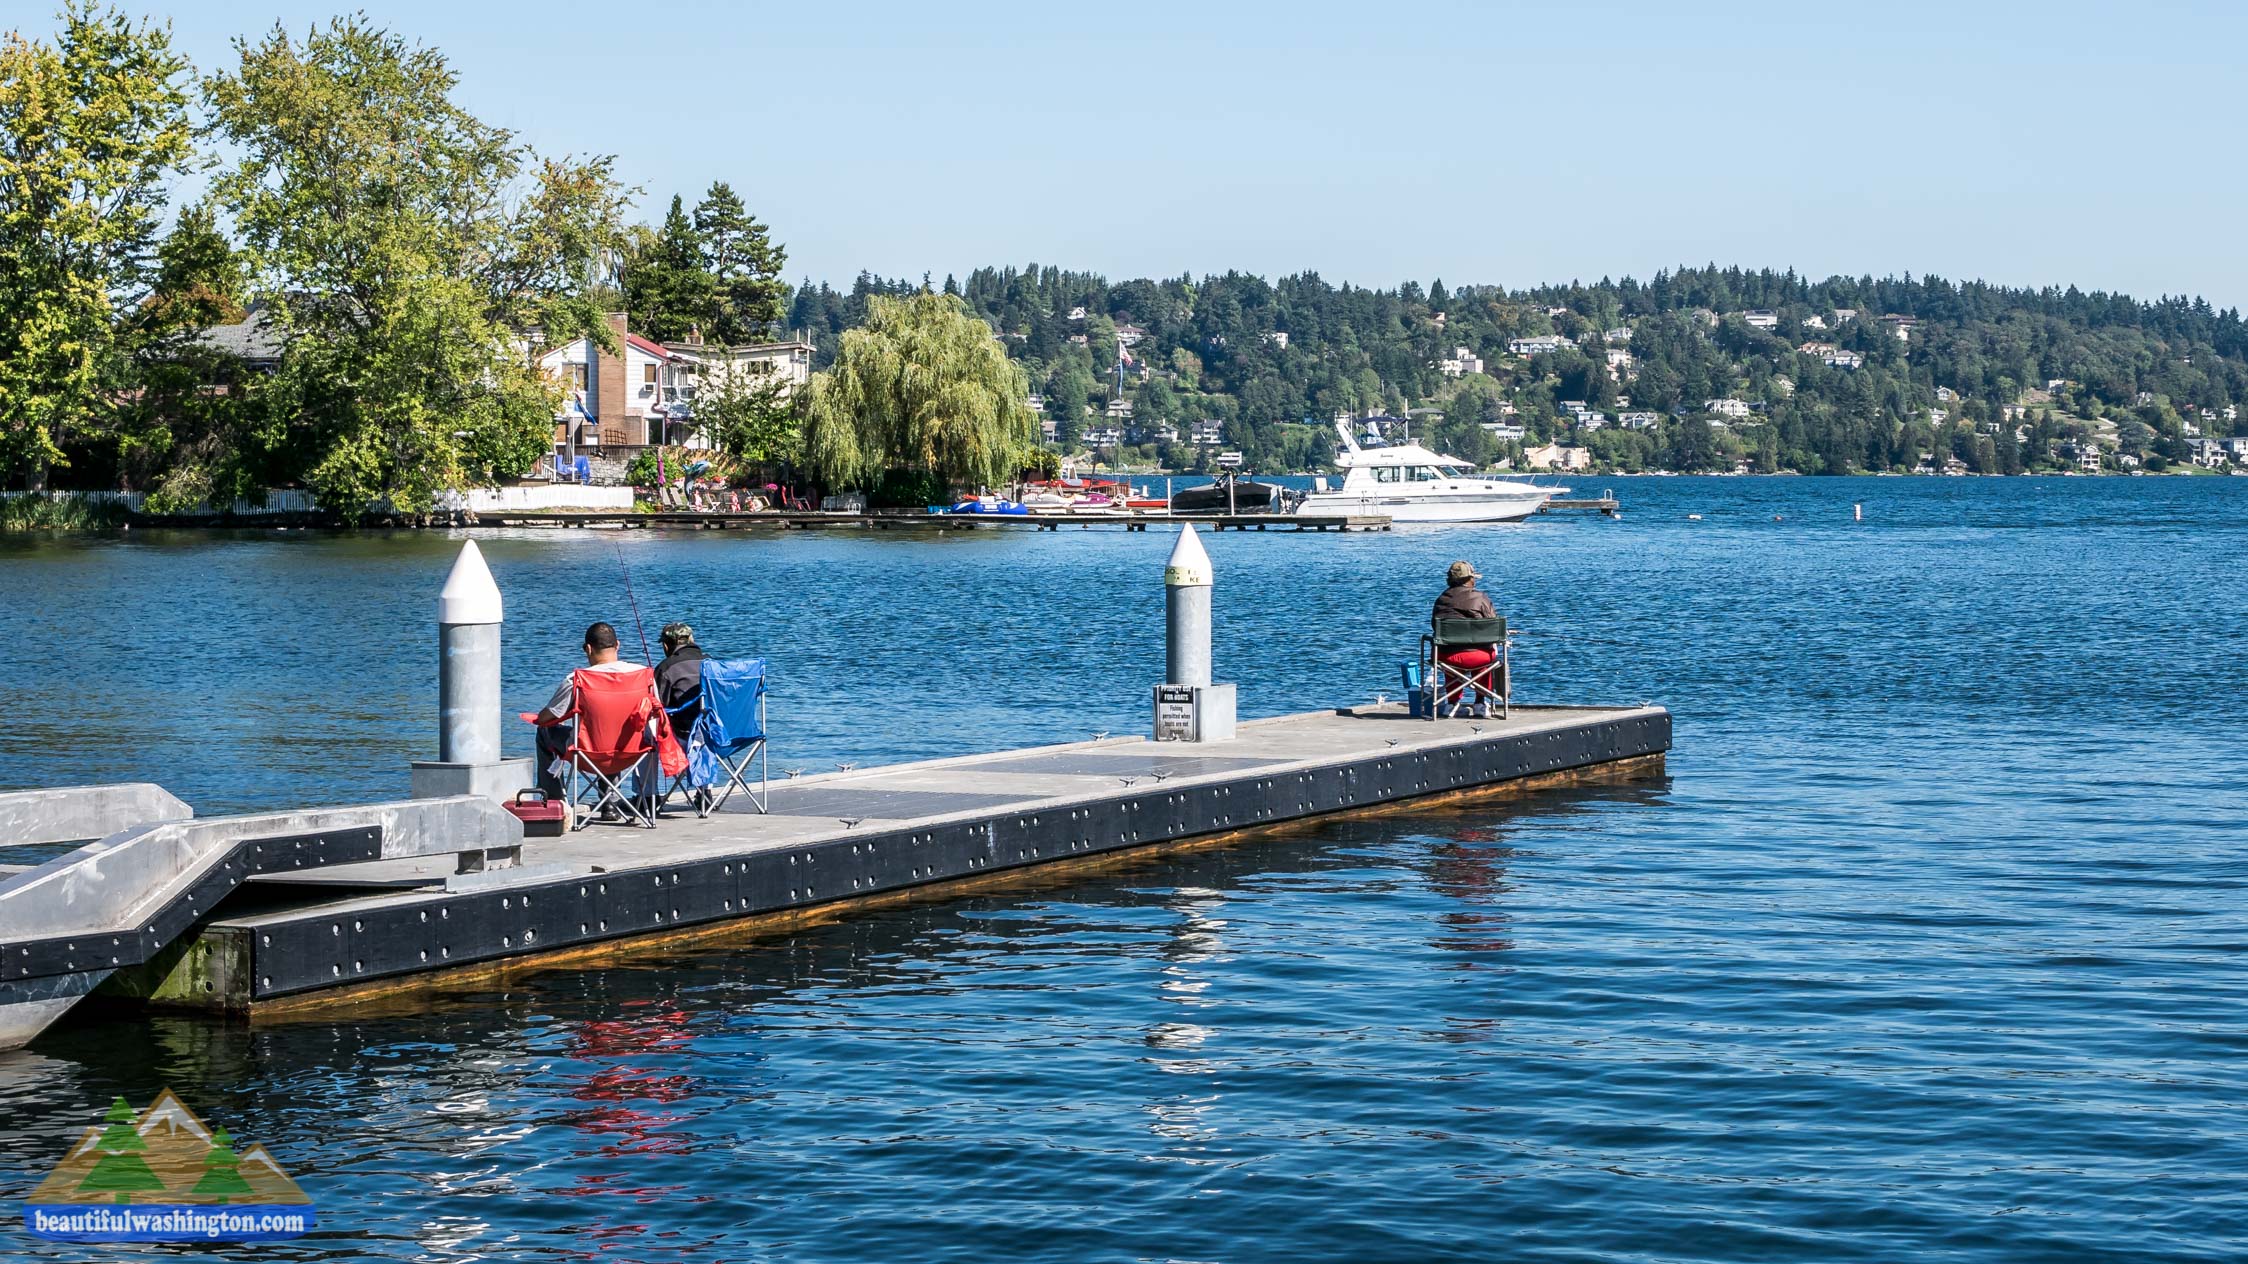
(310, 913)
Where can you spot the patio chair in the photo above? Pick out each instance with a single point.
(727, 742)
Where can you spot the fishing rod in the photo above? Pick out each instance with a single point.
(637, 626)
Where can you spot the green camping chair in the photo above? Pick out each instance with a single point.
(1465, 660)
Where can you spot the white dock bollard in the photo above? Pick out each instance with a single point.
(1189, 706)
(469, 616)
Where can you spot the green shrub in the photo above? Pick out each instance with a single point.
(909, 489)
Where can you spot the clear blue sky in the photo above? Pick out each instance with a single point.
(2025, 143)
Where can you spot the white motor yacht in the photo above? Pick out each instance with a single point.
(1409, 483)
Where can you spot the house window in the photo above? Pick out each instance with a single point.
(647, 378)
(577, 378)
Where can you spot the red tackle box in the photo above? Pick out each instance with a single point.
(542, 817)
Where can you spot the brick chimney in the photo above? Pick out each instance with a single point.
(608, 384)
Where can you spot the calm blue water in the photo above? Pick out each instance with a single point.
(1931, 946)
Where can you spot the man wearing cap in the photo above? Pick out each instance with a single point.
(679, 677)
(1463, 600)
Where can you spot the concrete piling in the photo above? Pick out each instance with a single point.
(469, 616)
(1187, 580)
(1189, 705)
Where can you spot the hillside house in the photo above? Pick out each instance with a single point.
(1538, 344)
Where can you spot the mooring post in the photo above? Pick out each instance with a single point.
(1189, 706)
(469, 615)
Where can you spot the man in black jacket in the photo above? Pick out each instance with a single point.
(679, 677)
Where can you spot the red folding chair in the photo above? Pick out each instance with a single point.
(616, 713)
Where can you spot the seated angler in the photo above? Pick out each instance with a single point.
(554, 738)
(1463, 600)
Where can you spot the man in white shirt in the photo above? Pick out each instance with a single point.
(554, 739)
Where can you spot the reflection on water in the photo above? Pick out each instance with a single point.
(1929, 948)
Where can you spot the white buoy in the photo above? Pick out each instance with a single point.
(1858, 513)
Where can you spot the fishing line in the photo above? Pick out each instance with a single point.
(637, 626)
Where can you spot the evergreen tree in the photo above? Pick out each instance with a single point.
(745, 269)
(668, 287)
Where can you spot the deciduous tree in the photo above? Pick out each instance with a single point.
(922, 386)
(92, 129)
(402, 248)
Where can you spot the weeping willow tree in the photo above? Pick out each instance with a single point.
(920, 387)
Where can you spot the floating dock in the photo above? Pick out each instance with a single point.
(286, 910)
(810, 520)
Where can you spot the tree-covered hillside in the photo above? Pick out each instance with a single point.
(1702, 368)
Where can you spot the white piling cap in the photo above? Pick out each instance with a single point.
(469, 595)
(1189, 566)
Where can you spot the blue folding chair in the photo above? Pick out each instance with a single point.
(728, 740)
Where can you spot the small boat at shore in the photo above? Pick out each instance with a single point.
(1248, 496)
(1075, 496)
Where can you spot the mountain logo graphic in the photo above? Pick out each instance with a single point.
(163, 1175)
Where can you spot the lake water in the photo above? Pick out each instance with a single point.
(1931, 945)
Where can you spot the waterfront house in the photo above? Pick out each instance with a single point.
(1814, 321)
(1618, 336)
(1844, 315)
(1505, 431)
(1728, 407)
(2236, 447)
(1619, 363)
(1761, 318)
(1642, 420)
(1104, 436)
(1130, 335)
(1843, 360)
(1119, 408)
(1945, 395)
(616, 403)
(1901, 326)
(1461, 361)
(2088, 457)
(1208, 432)
(1554, 456)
